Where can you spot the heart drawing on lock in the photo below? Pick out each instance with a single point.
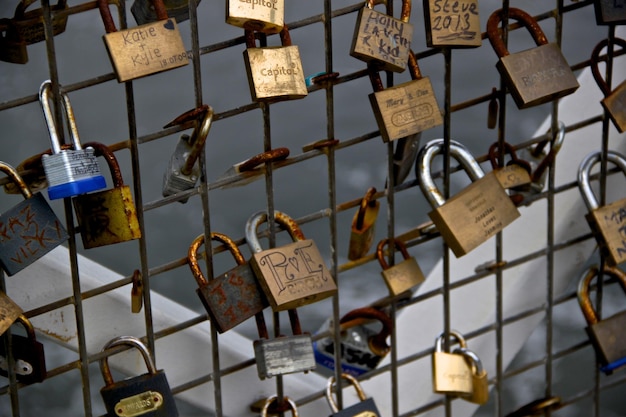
(169, 25)
(294, 262)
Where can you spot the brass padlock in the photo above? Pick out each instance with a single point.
(536, 75)
(9, 312)
(451, 373)
(382, 39)
(292, 275)
(401, 277)
(28, 354)
(407, 108)
(606, 335)
(145, 49)
(266, 409)
(266, 16)
(474, 214)
(515, 173)
(143, 10)
(610, 12)
(109, 216)
(232, 297)
(30, 24)
(12, 45)
(614, 102)
(366, 407)
(480, 381)
(274, 72)
(363, 226)
(609, 221)
(452, 24)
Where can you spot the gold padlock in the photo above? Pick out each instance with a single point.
(614, 102)
(9, 312)
(515, 173)
(363, 226)
(30, 24)
(401, 277)
(267, 16)
(480, 381)
(452, 24)
(451, 373)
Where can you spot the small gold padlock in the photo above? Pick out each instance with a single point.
(401, 277)
(614, 102)
(480, 381)
(515, 173)
(452, 24)
(266, 16)
(451, 373)
(363, 226)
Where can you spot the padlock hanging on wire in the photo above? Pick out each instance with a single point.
(614, 101)
(28, 355)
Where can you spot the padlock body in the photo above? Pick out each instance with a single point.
(12, 48)
(512, 176)
(537, 75)
(361, 239)
(451, 374)
(452, 24)
(30, 360)
(383, 39)
(72, 172)
(365, 408)
(107, 217)
(31, 28)
(403, 276)
(275, 73)
(28, 231)
(526, 154)
(174, 181)
(284, 355)
(146, 49)
(610, 12)
(608, 339)
(615, 105)
(144, 13)
(480, 391)
(608, 224)
(9, 312)
(266, 16)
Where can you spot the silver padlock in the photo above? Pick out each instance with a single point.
(69, 172)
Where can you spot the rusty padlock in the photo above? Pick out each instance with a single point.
(536, 75)
(9, 312)
(28, 354)
(614, 102)
(266, 16)
(450, 372)
(144, 13)
(12, 45)
(610, 12)
(363, 226)
(452, 24)
(30, 24)
(403, 276)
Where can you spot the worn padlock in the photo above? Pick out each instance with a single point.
(109, 216)
(474, 214)
(266, 16)
(30, 24)
(607, 222)
(144, 13)
(148, 394)
(614, 102)
(183, 170)
(267, 411)
(292, 275)
(610, 12)
(28, 354)
(69, 172)
(480, 381)
(28, 230)
(274, 72)
(145, 49)
(232, 297)
(452, 24)
(407, 108)
(403, 276)
(363, 226)
(381, 39)
(536, 75)
(515, 173)
(366, 407)
(12, 45)
(9, 312)
(606, 335)
(451, 373)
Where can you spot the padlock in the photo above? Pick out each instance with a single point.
(267, 411)
(109, 216)
(366, 407)
(69, 172)
(474, 214)
(452, 24)
(30, 24)
(9, 312)
(363, 226)
(607, 334)
(480, 381)
(609, 221)
(451, 373)
(516, 172)
(536, 75)
(12, 45)
(614, 102)
(381, 39)
(407, 108)
(232, 297)
(183, 170)
(146, 49)
(147, 395)
(28, 354)
(610, 12)
(144, 13)
(403, 276)
(538, 407)
(266, 16)
(292, 275)
(28, 230)
(274, 72)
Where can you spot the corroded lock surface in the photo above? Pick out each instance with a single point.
(9, 312)
(452, 24)
(12, 45)
(614, 102)
(451, 373)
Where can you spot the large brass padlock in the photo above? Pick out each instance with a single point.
(451, 373)
(12, 45)
(610, 12)
(452, 24)
(9, 312)
(614, 102)
(473, 215)
(363, 226)
(366, 407)
(266, 16)
(30, 24)
(536, 75)
(109, 216)
(146, 49)
(608, 223)
(292, 275)
(274, 72)
(382, 39)
(403, 276)
(144, 13)
(28, 355)
(606, 335)
(480, 381)
(407, 108)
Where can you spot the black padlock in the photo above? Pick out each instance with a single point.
(28, 354)
(364, 408)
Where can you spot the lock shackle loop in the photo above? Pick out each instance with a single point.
(380, 251)
(595, 60)
(367, 201)
(405, 13)
(192, 254)
(523, 18)
(509, 149)
(16, 178)
(250, 37)
(30, 330)
(103, 150)
(260, 217)
(130, 341)
(414, 68)
(44, 99)
(107, 19)
(352, 381)
(458, 336)
(21, 7)
(423, 167)
(476, 363)
(584, 173)
(378, 342)
(272, 399)
(554, 149)
(584, 283)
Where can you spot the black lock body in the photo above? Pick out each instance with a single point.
(30, 361)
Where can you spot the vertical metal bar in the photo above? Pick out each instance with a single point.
(8, 348)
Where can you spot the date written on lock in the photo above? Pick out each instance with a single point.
(452, 23)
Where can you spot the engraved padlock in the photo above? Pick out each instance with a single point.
(146, 49)
(274, 72)
(452, 24)
(607, 222)
(30, 25)
(28, 230)
(28, 355)
(266, 16)
(183, 170)
(363, 226)
(144, 13)
(403, 276)
(69, 172)
(292, 275)
(536, 75)
(381, 39)
(480, 381)
(610, 12)
(9, 312)
(474, 214)
(614, 102)
(232, 297)
(607, 334)
(451, 373)
(148, 394)
(407, 108)
(12, 45)
(515, 173)
(366, 407)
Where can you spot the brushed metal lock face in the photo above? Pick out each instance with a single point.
(452, 24)
(275, 73)
(451, 374)
(615, 105)
(266, 16)
(284, 355)
(609, 226)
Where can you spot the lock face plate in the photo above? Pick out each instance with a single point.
(607, 223)
(130, 397)
(608, 339)
(403, 276)
(284, 355)
(456, 26)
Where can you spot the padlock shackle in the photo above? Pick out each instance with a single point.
(508, 148)
(474, 360)
(250, 37)
(30, 330)
(254, 221)
(271, 399)
(550, 157)
(107, 19)
(270, 156)
(130, 341)
(15, 177)
(44, 99)
(584, 173)
(352, 381)
(523, 18)
(192, 254)
(595, 60)
(367, 201)
(380, 255)
(377, 343)
(584, 283)
(414, 68)
(20, 10)
(405, 13)
(458, 336)
(103, 150)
